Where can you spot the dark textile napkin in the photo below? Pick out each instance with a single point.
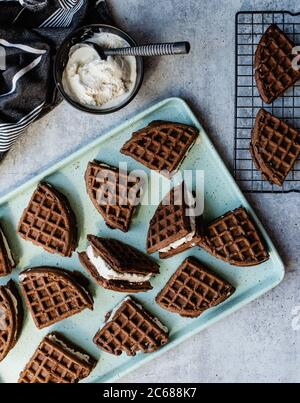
(30, 33)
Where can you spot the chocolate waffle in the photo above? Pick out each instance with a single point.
(171, 229)
(193, 289)
(49, 222)
(7, 263)
(131, 329)
(114, 194)
(275, 147)
(53, 294)
(274, 72)
(118, 266)
(56, 360)
(235, 239)
(11, 317)
(161, 146)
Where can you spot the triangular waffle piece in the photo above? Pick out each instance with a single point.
(56, 360)
(235, 239)
(7, 262)
(274, 72)
(118, 266)
(193, 289)
(11, 317)
(49, 222)
(53, 295)
(131, 329)
(193, 240)
(275, 147)
(172, 230)
(114, 194)
(161, 146)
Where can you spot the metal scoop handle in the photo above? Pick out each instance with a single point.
(156, 49)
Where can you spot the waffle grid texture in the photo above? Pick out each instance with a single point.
(234, 239)
(169, 222)
(7, 324)
(114, 194)
(6, 265)
(273, 64)
(49, 222)
(193, 289)
(161, 146)
(130, 330)
(52, 364)
(275, 147)
(52, 295)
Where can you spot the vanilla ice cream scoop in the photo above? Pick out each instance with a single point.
(91, 81)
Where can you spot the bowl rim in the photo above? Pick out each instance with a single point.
(87, 109)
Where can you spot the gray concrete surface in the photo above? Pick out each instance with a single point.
(257, 344)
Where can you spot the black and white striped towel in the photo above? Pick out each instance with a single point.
(30, 32)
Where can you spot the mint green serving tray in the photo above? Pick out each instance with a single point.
(221, 194)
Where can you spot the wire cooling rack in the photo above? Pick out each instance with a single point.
(250, 26)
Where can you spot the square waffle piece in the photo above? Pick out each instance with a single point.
(7, 262)
(161, 146)
(275, 147)
(193, 289)
(49, 222)
(274, 72)
(11, 318)
(114, 193)
(118, 266)
(131, 329)
(235, 239)
(56, 360)
(53, 294)
(173, 229)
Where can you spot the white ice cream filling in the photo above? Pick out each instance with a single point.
(108, 273)
(89, 80)
(189, 237)
(7, 248)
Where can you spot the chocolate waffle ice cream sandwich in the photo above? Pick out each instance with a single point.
(130, 329)
(7, 262)
(193, 289)
(114, 194)
(49, 221)
(11, 317)
(118, 266)
(174, 227)
(161, 146)
(56, 360)
(275, 147)
(53, 294)
(274, 72)
(235, 239)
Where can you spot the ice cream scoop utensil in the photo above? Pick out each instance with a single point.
(158, 49)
